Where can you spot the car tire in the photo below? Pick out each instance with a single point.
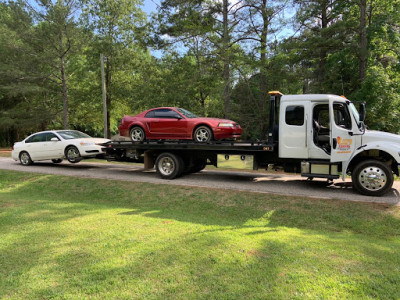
(57, 161)
(202, 134)
(25, 158)
(372, 178)
(137, 134)
(169, 165)
(72, 154)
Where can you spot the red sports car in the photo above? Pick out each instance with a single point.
(176, 124)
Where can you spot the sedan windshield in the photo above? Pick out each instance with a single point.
(187, 113)
(72, 134)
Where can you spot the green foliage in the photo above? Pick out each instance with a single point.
(197, 61)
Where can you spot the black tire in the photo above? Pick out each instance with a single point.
(202, 134)
(25, 158)
(72, 155)
(372, 178)
(197, 167)
(56, 161)
(169, 165)
(137, 134)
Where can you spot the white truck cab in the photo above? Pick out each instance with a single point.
(328, 134)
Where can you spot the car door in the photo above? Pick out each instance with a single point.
(342, 139)
(53, 149)
(168, 124)
(35, 146)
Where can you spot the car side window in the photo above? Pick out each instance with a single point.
(150, 114)
(36, 138)
(49, 136)
(165, 113)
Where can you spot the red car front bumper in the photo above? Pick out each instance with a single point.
(221, 133)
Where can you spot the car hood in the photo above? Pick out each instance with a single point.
(377, 136)
(92, 140)
(217, 120)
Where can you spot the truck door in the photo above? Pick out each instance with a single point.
(293, 124)
(342, 142)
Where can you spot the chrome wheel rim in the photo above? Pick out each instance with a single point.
(166, 166)
(72, 154)
(137, 135)
(372, 178)
(24, 158)
(202, 135)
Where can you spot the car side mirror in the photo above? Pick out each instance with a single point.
(54, 139)
(179, 117)
(362, 111)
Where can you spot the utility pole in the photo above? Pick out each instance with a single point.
(103, 88)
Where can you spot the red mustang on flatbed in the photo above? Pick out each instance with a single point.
(177, 124)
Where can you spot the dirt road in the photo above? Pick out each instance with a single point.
(243, 181)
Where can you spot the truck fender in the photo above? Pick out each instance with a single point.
(391, 149)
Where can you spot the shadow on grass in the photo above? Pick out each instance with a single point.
(202, 261)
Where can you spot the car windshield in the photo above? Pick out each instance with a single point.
(72, 134)
(187, 113)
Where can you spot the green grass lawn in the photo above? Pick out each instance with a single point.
(64, 237)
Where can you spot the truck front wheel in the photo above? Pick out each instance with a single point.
(169, 165)
(372, 178)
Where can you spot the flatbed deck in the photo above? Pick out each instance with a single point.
(251, 146)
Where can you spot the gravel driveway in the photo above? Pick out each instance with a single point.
(243, 181)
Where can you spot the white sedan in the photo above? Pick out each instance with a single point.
(57, 145)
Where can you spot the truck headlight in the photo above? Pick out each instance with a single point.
(226, 125)
(87, 144)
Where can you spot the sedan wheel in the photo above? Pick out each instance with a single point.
(25, 159)
(72, 154)
(137, 134)
(202, 134)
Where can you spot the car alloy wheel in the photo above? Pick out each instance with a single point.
(137, 134)
(203, 134)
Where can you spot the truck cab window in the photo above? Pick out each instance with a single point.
(342, 115)
(294, 115)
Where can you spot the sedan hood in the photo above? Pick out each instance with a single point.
(218, 120)
(93, 140)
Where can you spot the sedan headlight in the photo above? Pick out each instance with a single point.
(226, 125)
(87, 143)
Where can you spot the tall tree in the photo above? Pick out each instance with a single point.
(116, 24)
(58, 35)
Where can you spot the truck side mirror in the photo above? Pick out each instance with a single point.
(362, 111)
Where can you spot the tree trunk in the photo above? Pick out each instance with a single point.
(108, 94)
(64, 85)
(263, 68)
(323, 51)
(225, 55)
(363, 41)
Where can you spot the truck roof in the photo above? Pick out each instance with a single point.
(311, 97)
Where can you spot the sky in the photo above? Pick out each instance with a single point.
(150, 6)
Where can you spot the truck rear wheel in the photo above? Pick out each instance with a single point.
(372, 178)
(169, 165)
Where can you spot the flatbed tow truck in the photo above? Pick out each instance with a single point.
(315, 135)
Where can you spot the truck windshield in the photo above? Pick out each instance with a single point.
(355, 113)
